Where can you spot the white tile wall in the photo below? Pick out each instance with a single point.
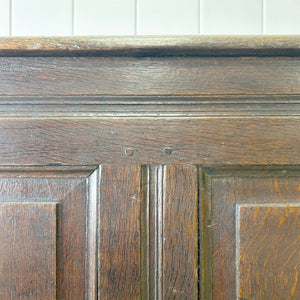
(167, 17)
(282, 17)
(4, 17)
(41, 17)
(231, 16)
(148, 17)
(104, 17)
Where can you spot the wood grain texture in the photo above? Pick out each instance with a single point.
(149, 76)
(151, 45)
(193, 141)
(170, 232)
(149, 111)
(223, 191)
(268, 251)
(180, 233)
(119, 232)
(73, 227)
(28, 251)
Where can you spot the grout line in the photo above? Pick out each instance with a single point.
(73, 17)
(263, 17)
(136, 18)
(199, 5)
(10, 18)
(200, 17)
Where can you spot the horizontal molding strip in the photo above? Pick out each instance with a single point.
(136, 46)
(150, 106)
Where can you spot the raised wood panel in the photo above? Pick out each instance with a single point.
(71, 191)
(249, 215)
(28, 251)
(268, 255)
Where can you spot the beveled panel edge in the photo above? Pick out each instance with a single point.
(137, 46)
(29, 171)
(207, 174)
(93, 207)
(258, 171)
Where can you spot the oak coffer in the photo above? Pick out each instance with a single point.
(150, 168)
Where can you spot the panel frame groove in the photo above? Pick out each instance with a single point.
(207, 175)
(89, 174)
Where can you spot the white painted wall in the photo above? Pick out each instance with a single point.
(148, 17)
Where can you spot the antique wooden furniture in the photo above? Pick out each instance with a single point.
(150, 168)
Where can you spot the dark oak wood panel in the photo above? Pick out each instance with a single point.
(180, 232)
(119, 232)
(170, 232)
(245, 141)
(268, 245)
(148, 76)
(248, 216)
(74, 234)
(173, 165)
(28, 247)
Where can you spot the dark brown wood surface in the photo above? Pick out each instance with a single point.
(151, 45)
(91, 141)
(148, 76)
(150, 168)
(28, 251)
(68, 245)
(119, 233)
(268, 251)
(250, 238)
(180, 233)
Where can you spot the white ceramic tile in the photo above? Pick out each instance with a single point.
(282, 17)
(104, 17)
(156, 17)
(231, 17)
(4, 17)
(41, 17)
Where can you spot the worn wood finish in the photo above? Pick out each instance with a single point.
(193, 106)
(28, 244)
(119, 232)
(180, 233)
(93, 141)
(69, 195)
(151, 46)
(170, 167)
(149, 76)
(170, 232)
(268, 251)
(254, 219)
